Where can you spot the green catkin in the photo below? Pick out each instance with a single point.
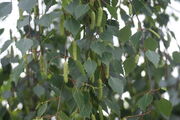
(66, 72)
(93, 20)
(92, 3)
(101, 29)
(100, 16)
(43, 67)
(107, 71)
(92, 78)
(74, 47)
(93, 117)
(100, 113)
(100, 89)
(61, 25)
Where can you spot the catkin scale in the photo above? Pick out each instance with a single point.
(93, 19)
(100, 89)
(100, 16)
(74, 47)
(66, 72)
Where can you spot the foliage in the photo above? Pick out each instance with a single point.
(71, 67)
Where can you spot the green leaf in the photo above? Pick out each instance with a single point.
(23, 22)
(114, 3)
(77, 71)
(27, 5)
(153, 57)
(116, 68)
(176, 57)
(112, 10)
(72, 26)
(5, 9)
(63, 116)
(42, 109)
(113, 105)
(72, 6)
(47, 19)
(24, 45)
(164, 107)
(98, 47)
(150, 44)
(83, 103)
(117, 53)
(129, 65)
(49, 3)
(145, 101)
(17, 71)
(81, 10)
(6, 45)
(90, 67)
(106, 58)
(135, 38)
(107, 36)
(117, 84)
(1, 31)
(39, 90)
(77, 10)
(124, 34)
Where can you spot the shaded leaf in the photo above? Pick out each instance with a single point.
(150, 44)
(72, 26)
(39, 90)
(145, 101)
(5, 9)
(81, 10)
(6, 45)
(27, 5)
(129, 65)
(24, 45)
(164, 106)
(135, 38)
(124, 34)
(47, 19)
(1, 31)
(117, 84)
(42, 109)
(23, 22)
(153, 57)
(90, 67)
(83, 103)
(176, 57)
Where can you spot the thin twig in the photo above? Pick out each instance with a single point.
(174, 9)
(148, 92)
(138, 115)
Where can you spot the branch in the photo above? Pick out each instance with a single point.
(138, 115)
(149, 92)
(174, 9)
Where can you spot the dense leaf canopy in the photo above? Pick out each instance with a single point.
(78, 57)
